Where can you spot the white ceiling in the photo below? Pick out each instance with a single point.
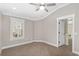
(27, 11)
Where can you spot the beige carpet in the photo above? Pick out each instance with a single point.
(38, 49)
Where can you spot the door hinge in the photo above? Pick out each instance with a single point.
(59, 22)
(59, 42)
(59, 32)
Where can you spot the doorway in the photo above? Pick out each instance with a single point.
(65, 30)
(68, 32)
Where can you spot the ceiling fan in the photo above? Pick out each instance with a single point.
(43, 6)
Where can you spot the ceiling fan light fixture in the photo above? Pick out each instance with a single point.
(42, 2)
(42, 7)
(14, 8)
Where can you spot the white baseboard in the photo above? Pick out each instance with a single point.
(5, 47)
(75, 52)
(47, 43)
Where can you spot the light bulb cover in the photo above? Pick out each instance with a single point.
(14, 8)
(42, 7)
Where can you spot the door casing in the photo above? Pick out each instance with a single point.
(65, 17)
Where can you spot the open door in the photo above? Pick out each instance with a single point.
(61, 32)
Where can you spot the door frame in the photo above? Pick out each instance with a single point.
(63, 17)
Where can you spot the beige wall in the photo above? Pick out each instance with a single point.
(6, 32)
(0, 33)
(46, 29)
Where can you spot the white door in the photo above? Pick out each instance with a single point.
(61, 32)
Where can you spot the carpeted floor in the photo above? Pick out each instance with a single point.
(38, 49)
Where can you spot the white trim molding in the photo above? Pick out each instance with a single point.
(75, 52)
(41, 18)
(5, 47)
(55, 45)
(63, 17)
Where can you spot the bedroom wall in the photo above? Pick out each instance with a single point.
(0, 32)
(6, 32)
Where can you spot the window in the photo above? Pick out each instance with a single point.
(16, 29)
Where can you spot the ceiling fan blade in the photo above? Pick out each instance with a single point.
(50, 4)
(37, 9)
(46, 10)
(33, 3)
(36, 4)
